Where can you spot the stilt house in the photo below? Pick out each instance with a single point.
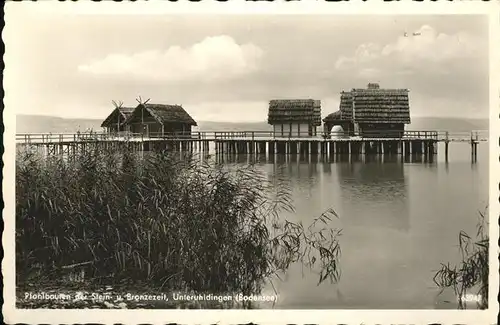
(158, 120)
(295, 117)
(115, 122)
(372, 112)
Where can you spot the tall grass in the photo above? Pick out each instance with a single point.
(473, 270)
(170, 222)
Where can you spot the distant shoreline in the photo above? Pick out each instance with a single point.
(45, 124)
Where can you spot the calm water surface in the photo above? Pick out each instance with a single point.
(399, 222)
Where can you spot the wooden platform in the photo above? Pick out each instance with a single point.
(255, 142)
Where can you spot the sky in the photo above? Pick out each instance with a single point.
(227, 68)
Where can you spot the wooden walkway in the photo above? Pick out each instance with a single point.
(440, 136)
(250, 142)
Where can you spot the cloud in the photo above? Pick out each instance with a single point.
(364, 53)
(214, 58)
(447, 73)
(427, 46)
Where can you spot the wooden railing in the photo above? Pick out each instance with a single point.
(474, 136)
(71, 137)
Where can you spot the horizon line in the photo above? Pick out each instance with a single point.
(234, 122)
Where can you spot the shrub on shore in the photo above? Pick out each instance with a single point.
(169, 222)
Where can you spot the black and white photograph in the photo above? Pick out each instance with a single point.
(250, 162)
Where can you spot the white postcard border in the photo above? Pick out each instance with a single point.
(13, 315)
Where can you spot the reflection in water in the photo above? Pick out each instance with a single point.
(304, 158)
(376, 193)
(373, 187)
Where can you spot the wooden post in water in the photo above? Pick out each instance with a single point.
(446, 144)
(473, 146)
(477, 143)
(314, 146)
(472, 150)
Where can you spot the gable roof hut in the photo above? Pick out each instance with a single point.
(371, 108)
(159, 119)
(295, 111)
(115, 121)
(381, 106)
(291, 115)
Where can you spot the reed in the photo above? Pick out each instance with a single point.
(471, 274)
(170, 222)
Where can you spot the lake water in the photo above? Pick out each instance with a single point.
(399, 221)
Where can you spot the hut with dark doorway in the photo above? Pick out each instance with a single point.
(159, 120)
(115, 122)
(294, 117)
(372, 112)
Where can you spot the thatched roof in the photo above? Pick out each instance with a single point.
(112, 118)
(126, 111)
(333, 117)
(295, 111)
(372, 105)
(381, 106)
(345, 109)
(346, 105)
(167, 113)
